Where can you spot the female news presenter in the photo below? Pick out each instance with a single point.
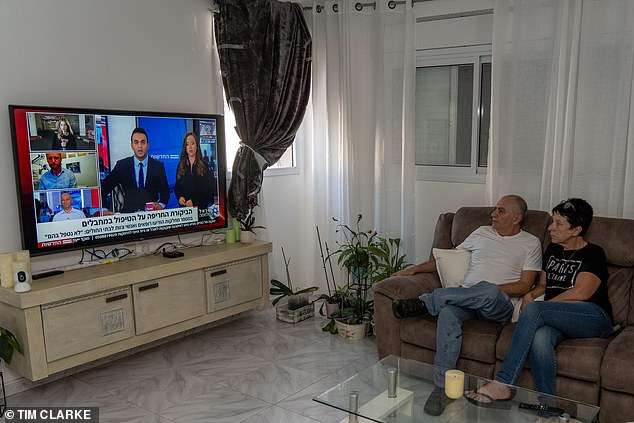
(574, 279)
(195, 184)
(64, 138)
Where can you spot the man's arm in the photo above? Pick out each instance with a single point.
(426, 267)
(521, 287)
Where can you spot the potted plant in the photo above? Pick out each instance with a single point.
(8, 343)
(367, 258)
(296, 299)
(336, 296)
(247, 226)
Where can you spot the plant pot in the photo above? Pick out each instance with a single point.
(297, 301)
(247, 237)
(353, 332)
(331, 308)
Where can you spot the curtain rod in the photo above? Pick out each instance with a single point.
(359, 6)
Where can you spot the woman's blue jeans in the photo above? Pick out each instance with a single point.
(541, 327)
(484, 301)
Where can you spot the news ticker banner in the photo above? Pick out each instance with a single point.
(51, 414)
(55, 233)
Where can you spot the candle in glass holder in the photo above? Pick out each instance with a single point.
(6, 273)
(454, 383)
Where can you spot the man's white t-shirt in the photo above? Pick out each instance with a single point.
(500, 259)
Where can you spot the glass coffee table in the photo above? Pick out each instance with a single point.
(395, 390)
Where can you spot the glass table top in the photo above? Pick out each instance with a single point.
(368, 397)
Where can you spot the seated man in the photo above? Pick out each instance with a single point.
(68, 212)
(505, 261)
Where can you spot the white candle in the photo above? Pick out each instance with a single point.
(22, 255)
(454, 383)
(6, 273)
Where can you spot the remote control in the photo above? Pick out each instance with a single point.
(542, 408)
(47, 274)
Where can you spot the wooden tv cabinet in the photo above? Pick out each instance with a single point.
(94, 312)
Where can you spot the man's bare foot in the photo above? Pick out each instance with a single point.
(492, 391)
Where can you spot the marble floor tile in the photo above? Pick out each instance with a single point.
(115, 410)
(275, 414)
(254, 369)
(221, 366)
(163, 390)
(216, 405)
(121, 373)
(60, 393)
(273, 382)
(183, 351)
(272, 345)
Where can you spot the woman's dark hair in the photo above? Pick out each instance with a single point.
(577, 211)
(183, 164)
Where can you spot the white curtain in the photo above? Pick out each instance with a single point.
(561, 121)
(359, 132)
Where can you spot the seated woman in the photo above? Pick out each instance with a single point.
(195, 185)
(574, 279)
(64, 138)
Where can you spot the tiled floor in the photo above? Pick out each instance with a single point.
(252, 370)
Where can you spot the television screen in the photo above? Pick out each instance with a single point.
(91, 177)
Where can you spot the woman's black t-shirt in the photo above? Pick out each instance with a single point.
(563, 267)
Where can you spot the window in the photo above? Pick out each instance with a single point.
(453, 106)
(286, 163)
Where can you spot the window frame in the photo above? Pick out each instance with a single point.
(475, 55)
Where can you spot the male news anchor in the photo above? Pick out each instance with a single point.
(142, 178)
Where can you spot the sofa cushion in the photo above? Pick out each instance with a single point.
(576, 358)
(617, 369)
(452, 265)
(478, 337)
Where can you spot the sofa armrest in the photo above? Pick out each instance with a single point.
(387, 328)
(397, 287)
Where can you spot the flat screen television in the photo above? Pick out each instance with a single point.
(90, 177)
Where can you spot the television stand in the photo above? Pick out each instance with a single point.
(87, 314)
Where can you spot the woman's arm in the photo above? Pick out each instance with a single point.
(539, 289)
(586, 285)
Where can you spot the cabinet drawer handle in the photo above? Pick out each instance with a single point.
(150, 286)
(116, 298)
(218, 273)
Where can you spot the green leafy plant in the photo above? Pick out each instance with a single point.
(387, 258)
(281, 290)
(354, 252)
(8, 343)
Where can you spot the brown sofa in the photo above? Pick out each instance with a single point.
(594, 371)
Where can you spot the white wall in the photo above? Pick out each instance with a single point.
(150, 55)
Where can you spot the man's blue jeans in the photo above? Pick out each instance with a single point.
(541, 327)
(484, 301)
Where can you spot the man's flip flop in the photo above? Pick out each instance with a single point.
(500, 404)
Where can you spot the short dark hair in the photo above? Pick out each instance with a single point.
(578, 212)
(139, 131)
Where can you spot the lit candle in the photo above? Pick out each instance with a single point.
(6, 273)
(454, 383)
